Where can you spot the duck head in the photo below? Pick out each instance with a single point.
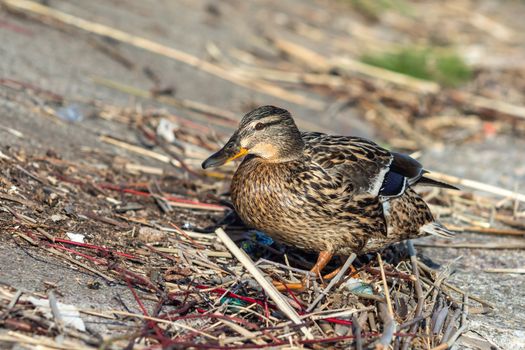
(267, 132)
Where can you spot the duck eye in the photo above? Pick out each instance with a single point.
(259, 126)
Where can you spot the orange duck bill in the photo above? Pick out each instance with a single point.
(231, 150)
(222, 157)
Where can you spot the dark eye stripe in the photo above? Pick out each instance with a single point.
(260, 126)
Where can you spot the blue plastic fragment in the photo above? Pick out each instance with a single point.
(233, 302)
(358, 286)
(250, 247)
(263, 238)
(70, 113)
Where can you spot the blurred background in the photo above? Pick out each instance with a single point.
(150, 88)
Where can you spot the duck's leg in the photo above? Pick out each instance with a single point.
(332, 274)
(322, 260)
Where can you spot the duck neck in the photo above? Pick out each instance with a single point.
(292, 149)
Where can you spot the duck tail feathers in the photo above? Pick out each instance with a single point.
(436, 229)
(425, 181)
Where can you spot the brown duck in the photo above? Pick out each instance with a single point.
(324, 193)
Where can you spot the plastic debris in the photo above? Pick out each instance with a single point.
(357, 286)
(70, 113)
(233, 302)
(165, 130)
(58, 217)
(75, 237)
(69, 313)
(250, 247)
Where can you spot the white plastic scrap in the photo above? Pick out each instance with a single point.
(76, 237)
(70, 314)
(58, 217)
(165, 130)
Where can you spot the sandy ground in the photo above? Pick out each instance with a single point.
(64, 62)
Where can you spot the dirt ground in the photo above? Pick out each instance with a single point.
(61, 60)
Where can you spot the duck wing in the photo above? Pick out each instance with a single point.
(365, 167)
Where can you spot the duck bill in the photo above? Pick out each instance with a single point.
(225, 155)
